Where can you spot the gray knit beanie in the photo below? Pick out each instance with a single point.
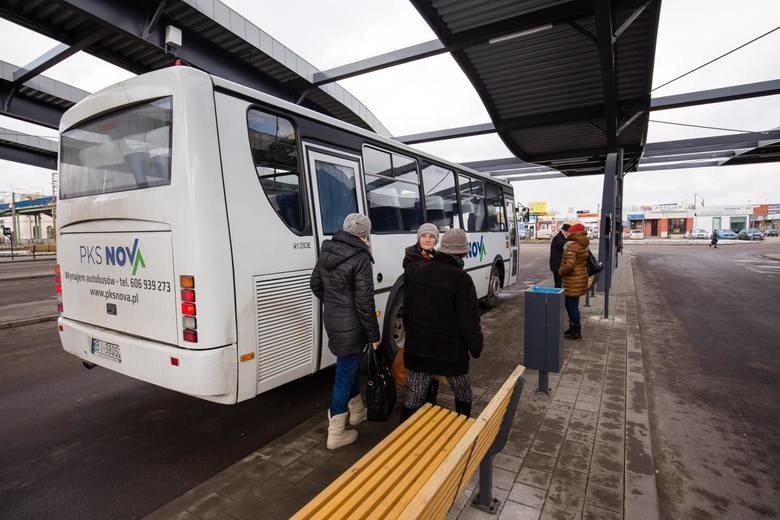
(358, 225)
(428, 228)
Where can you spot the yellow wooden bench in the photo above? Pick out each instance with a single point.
(420, 468)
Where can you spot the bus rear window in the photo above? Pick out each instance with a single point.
(125, 150)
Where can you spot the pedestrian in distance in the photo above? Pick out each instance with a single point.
(574, 271)
(343, 280)
(416, 255)
(556, 252)
(443, 325)
(714, 238)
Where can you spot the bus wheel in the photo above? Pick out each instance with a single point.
(494, 287)
(397, 330)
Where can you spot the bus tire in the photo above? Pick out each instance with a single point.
(494, 287)
(396, 330)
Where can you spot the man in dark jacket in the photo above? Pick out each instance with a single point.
(443, 326)
(556, 253)
(343, 280)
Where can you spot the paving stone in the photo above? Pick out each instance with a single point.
(547, 443)
(608, 498)
(575, 455)
(503, 479)
(596, 513)
(556, 513)
(567, 490)
(515, 511)
(472, 513)
(578, 436)
(540, 461)
(280, 454)
(534, 477)
(212, 507)
(506, 461)
(295, 471)
(528, 495)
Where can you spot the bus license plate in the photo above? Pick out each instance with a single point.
(106, 350)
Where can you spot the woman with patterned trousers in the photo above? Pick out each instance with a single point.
(443, 325)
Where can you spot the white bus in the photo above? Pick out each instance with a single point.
(191, 211)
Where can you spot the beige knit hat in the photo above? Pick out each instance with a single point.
(454, 242)
(428, 228)
(358, 225)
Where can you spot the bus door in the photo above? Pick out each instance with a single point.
(336, 191)
(511, 215)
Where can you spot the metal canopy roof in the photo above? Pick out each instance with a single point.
(722, 150)
(215, 38)
(564, 82)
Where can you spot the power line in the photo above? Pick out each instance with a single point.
(716, 59)
(767, 132)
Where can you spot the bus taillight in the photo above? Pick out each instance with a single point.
(58, 286)
(188, 309)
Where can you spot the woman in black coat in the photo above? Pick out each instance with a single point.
(443, 325)
(415, 256)
(343, 280)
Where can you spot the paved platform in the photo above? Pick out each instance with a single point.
(581, 452)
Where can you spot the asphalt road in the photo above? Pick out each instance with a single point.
(710, 332)
(93, 444)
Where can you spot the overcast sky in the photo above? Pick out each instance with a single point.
(434, 94)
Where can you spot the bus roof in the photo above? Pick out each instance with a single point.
(312, 114)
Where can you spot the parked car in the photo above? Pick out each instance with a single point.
(750, 234)
(700, 233)
(636, 234)
(727, 234)
(770, 233)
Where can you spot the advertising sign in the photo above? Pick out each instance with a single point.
(538, 207)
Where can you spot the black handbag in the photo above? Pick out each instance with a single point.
(594, 266)
(380, 388)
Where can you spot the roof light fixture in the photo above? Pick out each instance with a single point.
(520, 34)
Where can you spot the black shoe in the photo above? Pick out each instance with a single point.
(575, 334)
(569, 330)
(463, 408)
(433, 391)
(406, 413)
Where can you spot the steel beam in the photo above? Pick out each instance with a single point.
(54, 56)
(603, 16)
(382, 61)
(27, 156)
(452, 133)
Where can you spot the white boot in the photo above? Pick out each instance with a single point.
(338, 435)
(357, 411)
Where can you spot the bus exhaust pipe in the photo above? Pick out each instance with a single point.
(88, 365)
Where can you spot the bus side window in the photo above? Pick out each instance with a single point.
(275, 155)
(495, 208)
(472, 203)
(441, 201)
(392, 191)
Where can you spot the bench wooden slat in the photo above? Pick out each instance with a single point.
(378, 452)
(422, 505)
(419, 469)
(411, 454)
(400, 497)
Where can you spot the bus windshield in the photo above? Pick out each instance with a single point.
(125, 150)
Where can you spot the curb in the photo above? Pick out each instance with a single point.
(770, 258)
(26, 277)
(28, 321)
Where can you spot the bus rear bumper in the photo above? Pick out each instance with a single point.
(207, 374)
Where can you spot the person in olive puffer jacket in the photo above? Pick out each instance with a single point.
(343, 280)
(574, 271)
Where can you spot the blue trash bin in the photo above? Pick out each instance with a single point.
(544, 319)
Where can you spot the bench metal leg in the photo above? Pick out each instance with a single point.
(484, 499)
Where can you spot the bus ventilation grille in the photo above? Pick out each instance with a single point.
(284, 324)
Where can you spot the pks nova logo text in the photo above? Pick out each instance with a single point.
(113, 255)
(478, 248)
